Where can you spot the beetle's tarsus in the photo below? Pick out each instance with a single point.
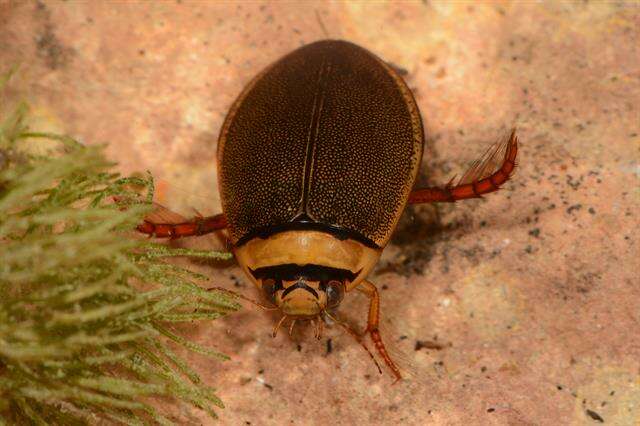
(481, 178)
(371, 292)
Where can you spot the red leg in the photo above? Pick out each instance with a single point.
(195, 226)
(163, 223)
(479, 179)
(371, 292)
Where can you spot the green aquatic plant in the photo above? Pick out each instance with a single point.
(86, 308)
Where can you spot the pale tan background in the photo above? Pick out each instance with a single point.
(533, 293)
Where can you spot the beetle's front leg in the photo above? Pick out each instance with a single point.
(373, 321)
(186, 228)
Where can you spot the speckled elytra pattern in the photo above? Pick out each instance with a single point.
(328, 131)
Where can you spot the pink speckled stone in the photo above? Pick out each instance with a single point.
(533, 292)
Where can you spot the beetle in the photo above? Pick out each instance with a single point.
(317, 160)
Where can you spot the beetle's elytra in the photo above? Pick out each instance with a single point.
(328, 135)
(317, 160)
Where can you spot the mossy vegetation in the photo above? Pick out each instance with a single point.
(86, 308)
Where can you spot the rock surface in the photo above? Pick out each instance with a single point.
(519, 309)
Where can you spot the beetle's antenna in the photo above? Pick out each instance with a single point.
(278, 325)
(355, 336)
(245, 298)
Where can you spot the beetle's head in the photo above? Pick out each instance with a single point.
(303, 291)
(303, 297)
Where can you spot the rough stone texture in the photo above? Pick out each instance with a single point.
(531, 294)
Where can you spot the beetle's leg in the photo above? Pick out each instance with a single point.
(291, 327)
(276, 327)
(164, 223)
(479, 179)
(371, 292)
(356, 337)
(195, 226)
(317, 325)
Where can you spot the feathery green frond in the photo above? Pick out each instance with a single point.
(85, 307)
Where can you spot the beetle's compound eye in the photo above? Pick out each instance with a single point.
(335, 293)
(269, 286)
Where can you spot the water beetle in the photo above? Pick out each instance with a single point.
(317, 161)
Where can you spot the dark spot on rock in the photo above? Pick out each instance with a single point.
(427, 344)
(574, 183)
(329, 346)
(528, 249)
(54, 54)
(491, 410)
(483, 369)
(574, 207)
(595, 416)
(535, 232)
(592, 210)
(236, 281)
(299, 347)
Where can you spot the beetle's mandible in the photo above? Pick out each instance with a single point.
(317, 159)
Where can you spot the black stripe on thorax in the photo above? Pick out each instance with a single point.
(308, 272)
(302, 223)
